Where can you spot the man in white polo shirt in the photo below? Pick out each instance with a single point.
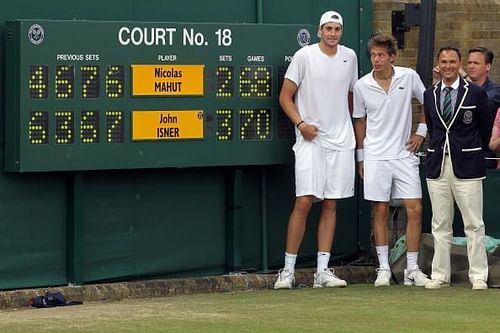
(386, 151)
(315, 98)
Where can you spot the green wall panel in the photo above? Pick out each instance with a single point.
(33, 230)
(162, 222)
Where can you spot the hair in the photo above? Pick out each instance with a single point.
(385, 41)
(487, 53)
(449, 48)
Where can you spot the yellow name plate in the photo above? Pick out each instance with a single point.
(167, 125)
(167, 80)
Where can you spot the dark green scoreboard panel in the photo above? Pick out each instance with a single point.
(89, 95)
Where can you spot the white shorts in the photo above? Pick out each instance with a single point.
(392, 179)
(323, 173)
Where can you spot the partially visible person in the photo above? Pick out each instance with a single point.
(495, 135)
(478, 67)
(315, 97)
(459, 127)
(386, 151)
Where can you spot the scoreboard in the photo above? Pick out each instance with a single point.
(93, 95)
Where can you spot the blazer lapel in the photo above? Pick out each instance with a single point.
(463, 89)
(437, 102)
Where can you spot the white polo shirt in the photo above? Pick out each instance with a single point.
(388, 115)
(323, 84)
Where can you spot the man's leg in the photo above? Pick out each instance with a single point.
(297, 223)
(413, 276)
(381, 233)
(325, 277)
(295, 234)
(469, 198)
(327, 224)
(442, 218)
(413, 224)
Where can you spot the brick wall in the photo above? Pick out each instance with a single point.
(463, 23)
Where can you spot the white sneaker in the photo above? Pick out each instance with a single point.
(383, 277)
(479, 285)
(416, 278)
(328, 279)
(285, 279)
(436, 284)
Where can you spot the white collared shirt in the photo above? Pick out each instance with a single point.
(388, 115)
(323, 85)
(454, 93)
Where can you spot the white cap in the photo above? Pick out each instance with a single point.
(331, 17)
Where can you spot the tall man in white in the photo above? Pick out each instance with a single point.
(315, 98)
(385, 151)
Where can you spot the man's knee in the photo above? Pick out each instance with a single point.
(413, 209)
(303, 204)
(380, 210)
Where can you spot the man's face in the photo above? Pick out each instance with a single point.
(449, 65)
(330, 34)
(381, 59)
(477, 69)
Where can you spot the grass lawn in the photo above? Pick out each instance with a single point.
(357, 308)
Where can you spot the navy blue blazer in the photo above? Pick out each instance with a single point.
(467, 134)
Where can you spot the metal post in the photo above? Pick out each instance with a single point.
(263, 196)
(425, 57)
(234, 204)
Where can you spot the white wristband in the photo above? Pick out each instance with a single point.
(422, 130)
(360, 155)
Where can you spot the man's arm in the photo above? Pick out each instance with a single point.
(360, 133)
(418, 138)
(495, 134)
(350, 101)
(287, 103)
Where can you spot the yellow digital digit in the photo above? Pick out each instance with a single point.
(38, 128)
(114, 126)
(261, 85)
(255, 81)
(114, 81)
(64, 127)
(64, 81)
(90, 81)
(224, 76)
(263, 124)
(89, 127)
(224, 124)
(39, 81)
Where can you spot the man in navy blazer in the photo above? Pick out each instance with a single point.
(458, 123)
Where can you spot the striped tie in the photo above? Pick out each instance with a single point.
(447, 107)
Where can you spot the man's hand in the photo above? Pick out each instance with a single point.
(414, 143)
(309, 132)
(436, 74)
(497, 122)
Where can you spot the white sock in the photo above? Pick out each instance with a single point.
(383, 256)
(411, 261)
(290, 262)
(323, 259)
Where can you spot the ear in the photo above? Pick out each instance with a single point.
(488, 67)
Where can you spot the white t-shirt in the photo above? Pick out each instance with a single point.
(388, 115)
(323, 84)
